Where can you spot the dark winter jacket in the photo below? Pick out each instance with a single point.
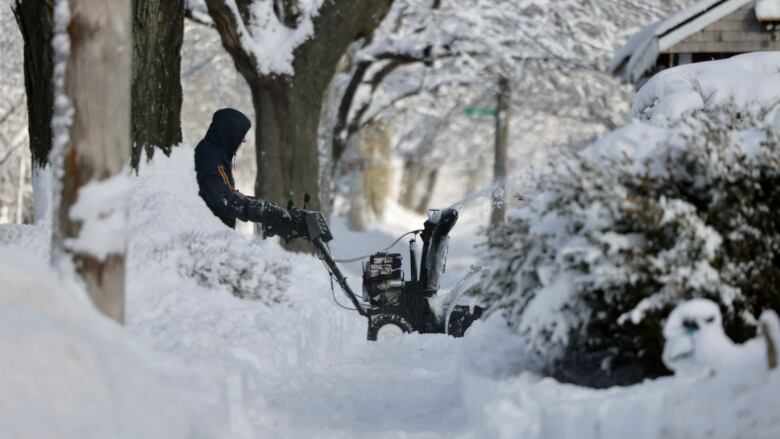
(213, 157)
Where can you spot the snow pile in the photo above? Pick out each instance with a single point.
(532, 407)
(68, 371)
(746, 82)
(768, 10)
(504, 400)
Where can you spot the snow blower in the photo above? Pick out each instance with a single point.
(391, 303)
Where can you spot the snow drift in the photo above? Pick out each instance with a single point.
(68, 371)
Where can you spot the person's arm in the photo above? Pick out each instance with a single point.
(230, 203)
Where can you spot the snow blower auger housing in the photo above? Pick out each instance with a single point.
(391, 303)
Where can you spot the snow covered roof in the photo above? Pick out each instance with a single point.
(768, 10)
(639, 54)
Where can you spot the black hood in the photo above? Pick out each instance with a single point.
(228, 128)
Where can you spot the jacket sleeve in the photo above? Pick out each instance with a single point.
(227, 202)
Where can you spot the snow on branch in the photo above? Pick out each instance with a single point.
(271, 30)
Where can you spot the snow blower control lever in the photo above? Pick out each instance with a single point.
(391, 303)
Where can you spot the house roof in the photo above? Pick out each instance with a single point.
(768, 10)
(640, 53)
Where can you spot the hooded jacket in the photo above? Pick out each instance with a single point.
(213, 157)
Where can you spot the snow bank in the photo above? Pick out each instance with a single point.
(67, 371)
(505, 398)
(534, 408)
(747, 82)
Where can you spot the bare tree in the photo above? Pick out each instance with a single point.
(288, 77)
(35, 22)
(158, 30)
(92, 144)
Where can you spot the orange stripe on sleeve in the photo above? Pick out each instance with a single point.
(225, 178)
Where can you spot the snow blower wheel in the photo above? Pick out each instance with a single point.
(391, 302)
(386, 326)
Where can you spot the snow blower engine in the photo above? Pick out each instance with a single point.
(391, 303)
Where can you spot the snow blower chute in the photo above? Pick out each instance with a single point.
(391, 303)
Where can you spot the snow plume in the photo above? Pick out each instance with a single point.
(615, 235)
(268, 39)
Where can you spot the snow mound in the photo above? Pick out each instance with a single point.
(696, 343)
(505, 398)
(748, 82)
(67, 371)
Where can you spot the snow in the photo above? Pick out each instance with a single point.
(70, 372)
(744, 81)
(100, 209)
(696, 343)
(271, 42)
(768, 10)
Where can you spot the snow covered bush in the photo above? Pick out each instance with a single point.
(173, 228)
(215, 261)
(617, 234)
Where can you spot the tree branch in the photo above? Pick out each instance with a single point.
(199, 17)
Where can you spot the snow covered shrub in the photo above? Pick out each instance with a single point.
(615, 235)
(227, 261)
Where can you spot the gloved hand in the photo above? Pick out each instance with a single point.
(268, 213)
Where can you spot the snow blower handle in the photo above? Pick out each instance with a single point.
(305, 224)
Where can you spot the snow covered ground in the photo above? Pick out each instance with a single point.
(196, 360)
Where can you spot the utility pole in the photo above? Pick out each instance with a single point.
(498, 199)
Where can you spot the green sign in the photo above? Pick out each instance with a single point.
(479, 111)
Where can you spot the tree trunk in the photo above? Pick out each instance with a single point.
(430, 184)
(410, 184)
(98, 84)
(158, 32)
(498, 212)
(35, 23)
(288, 107)
(287, 115)
(20, 191)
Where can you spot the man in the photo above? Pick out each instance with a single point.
(213, 157)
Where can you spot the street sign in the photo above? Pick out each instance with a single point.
(480, 112)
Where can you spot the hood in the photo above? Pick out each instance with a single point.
(228, 128)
